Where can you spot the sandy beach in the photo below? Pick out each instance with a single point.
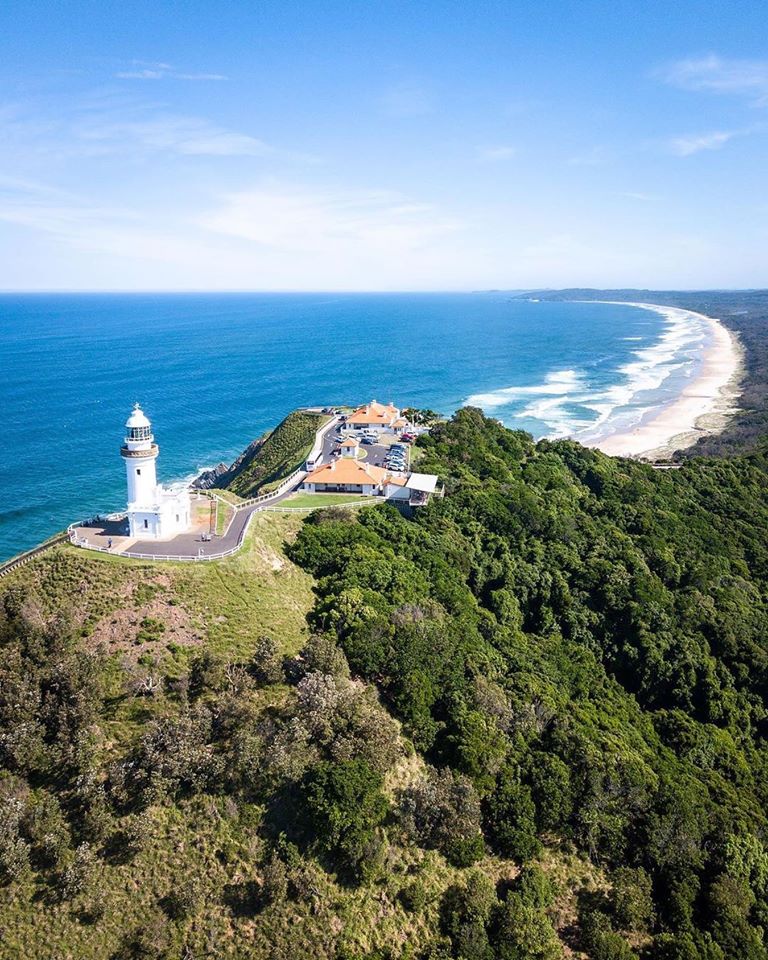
(703, 406)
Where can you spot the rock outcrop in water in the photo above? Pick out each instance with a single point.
(209, 478)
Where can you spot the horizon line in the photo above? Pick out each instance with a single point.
(352, 292)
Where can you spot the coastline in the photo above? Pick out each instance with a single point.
(703, 407)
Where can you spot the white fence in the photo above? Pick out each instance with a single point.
(314, 454)
(18, 561)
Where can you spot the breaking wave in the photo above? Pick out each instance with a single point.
(590, 405)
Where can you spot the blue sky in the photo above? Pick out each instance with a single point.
(383, 145)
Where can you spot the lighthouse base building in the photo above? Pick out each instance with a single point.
(154, 512)
(161, 520)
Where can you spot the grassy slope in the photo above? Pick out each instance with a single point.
(282, 452)
(222, 607)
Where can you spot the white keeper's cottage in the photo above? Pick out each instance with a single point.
(155, 512)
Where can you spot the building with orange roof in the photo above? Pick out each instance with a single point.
(350, 447)
(400, 424)
(346, 475)
(373, 416)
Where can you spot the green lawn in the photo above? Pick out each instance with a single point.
(314, 501)
(228, 495)
(224, 513)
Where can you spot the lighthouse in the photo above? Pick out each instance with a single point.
(140, 453)
(154, 512)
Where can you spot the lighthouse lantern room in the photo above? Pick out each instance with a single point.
(154, 512)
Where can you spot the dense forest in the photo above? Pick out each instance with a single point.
(528, 722)
(745, 312)
(580, 642)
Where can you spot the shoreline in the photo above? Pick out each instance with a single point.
(703, 407)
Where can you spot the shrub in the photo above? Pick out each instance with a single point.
(510, 818)
(631, 898)
(443, 812)
(79, 874)
(267, 662)
(274, 880)
(185, 897)
(345, 804)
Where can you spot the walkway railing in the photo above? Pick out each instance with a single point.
(22, 558)
(295, 478)
(254, 505)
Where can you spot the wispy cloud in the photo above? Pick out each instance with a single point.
(143, 70)
(720, 75)
(190, 136)
(496, 153)
(118, 123)
(334, 223)
(39, 206)
(688, 146)
(636, 195)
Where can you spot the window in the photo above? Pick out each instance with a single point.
(146, 524)
(138, 472)
(177, 518)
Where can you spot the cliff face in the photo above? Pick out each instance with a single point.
(209, 478)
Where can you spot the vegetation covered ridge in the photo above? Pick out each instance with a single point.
(580, 643)
(272, 458)
(528, 723)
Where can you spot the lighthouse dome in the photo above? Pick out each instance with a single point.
(138, 429)
(137, 418)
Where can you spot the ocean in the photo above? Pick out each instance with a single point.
(214, 371)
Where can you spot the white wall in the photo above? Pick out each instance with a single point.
(367, 489)
(142, 479)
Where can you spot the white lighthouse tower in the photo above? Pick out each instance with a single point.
(154, 512)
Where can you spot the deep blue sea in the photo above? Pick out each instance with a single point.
(214, 371)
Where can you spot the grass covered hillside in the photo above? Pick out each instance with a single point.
(268, 461)
(528, 723)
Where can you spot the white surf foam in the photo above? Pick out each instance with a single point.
(559, 389)
(682, 339)
(557, 382)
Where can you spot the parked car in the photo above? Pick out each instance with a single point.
(408, 437)
(368, 440)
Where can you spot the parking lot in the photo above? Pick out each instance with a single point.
(375, 453)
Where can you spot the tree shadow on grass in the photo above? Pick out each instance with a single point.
(244, 899)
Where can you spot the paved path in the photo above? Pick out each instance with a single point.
(192, 544)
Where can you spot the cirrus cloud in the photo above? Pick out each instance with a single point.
(687, 146)
(720, 75)
(148, 70)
